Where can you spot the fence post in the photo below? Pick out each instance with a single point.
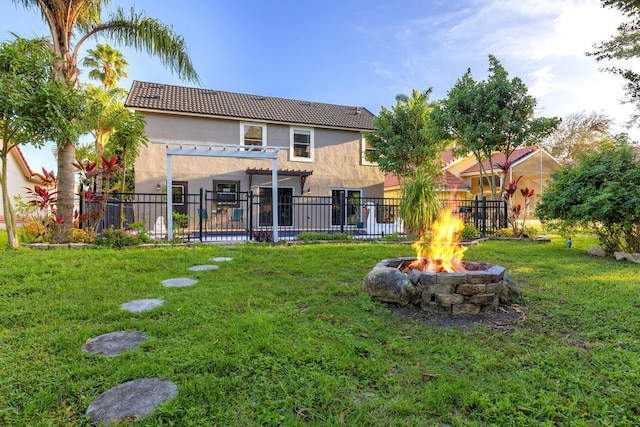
(504, 206)
(475, 213)
(483, 225)
(343, 209)
(250, 212)
(200, 212)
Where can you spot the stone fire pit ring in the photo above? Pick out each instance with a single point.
(478, 289)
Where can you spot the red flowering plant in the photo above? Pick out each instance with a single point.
(43, 199)
(95, 202)
(513, 209)
(527, 195)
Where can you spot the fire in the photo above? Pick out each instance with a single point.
(443, 252)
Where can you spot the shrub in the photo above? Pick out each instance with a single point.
(263, 236)
(470, 232)
(31, 232)
(393, 237)
(82, 236)
(313, 236)
(601, 193)
(120, 238)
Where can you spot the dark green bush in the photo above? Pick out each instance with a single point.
(601, 193)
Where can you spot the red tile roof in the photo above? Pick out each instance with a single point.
(499, 159)
(448, 181)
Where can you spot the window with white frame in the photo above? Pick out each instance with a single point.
(366, 147)
(301, 144)
(253, 134)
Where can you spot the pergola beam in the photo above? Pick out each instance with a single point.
(221, 150)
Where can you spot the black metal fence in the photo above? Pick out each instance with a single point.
(208, 216)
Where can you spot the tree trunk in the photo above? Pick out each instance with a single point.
(66, 193)
(9, 213)
(123, 175)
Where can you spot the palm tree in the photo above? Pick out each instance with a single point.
(107, 65)
(105, 109)
(71, 20)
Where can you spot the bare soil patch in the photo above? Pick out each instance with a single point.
(505, 317)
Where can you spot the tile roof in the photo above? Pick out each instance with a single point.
(499, 159)
(448, 181)
(169, 98)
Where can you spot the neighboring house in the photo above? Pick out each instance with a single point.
(322, 147)
(451, 187)
(19, 178)
(462, 174)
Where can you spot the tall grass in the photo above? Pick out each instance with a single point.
(283, 336)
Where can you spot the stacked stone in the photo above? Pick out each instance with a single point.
(469, 292)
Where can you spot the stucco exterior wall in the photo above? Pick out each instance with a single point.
(336, 164)
(16, 183)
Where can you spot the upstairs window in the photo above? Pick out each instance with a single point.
(302, 144)
(366, 147)
(253, 134)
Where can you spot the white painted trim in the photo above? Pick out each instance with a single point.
(256, 124)
(363, 150)
(292, 156)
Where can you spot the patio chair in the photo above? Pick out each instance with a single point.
(204, 217)
(237, 217)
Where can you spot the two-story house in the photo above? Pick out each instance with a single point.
(321, 148)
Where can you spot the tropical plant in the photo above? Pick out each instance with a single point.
(96, 202)
(72, 22)
(419, 204)
(105, 110)
(33, 109)
(107, 65)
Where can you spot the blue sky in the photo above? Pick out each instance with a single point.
(365, 52)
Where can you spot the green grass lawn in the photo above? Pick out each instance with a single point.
(283, 336)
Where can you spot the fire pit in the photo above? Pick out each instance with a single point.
(474, 290)
(437, 279)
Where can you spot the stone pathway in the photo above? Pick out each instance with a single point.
(140, 305)
(179, 282)
(133, 399)
(115, 343)
(139, 398)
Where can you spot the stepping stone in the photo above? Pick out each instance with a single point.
(179, 283)
(203, 267)
(140, 305)
(221, 259)
(115, 343)
(133, 399)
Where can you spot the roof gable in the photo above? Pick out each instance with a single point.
(498, 159)
(215, 103)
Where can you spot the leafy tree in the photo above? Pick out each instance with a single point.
(33, 109)
(402, 139)
(601, 192)
(495, 115)
(129, 136)
(625, 45)
(75, 21)
(578, 134)
(107, 65)
(404, 144)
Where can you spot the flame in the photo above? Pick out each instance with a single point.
(443, 252)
